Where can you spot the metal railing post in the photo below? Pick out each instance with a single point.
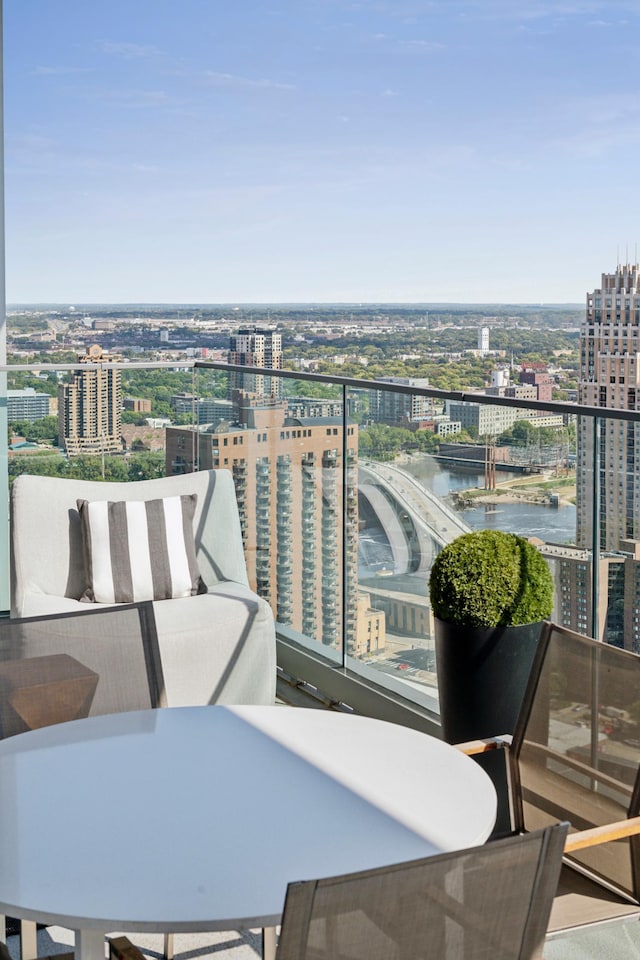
(595, 532)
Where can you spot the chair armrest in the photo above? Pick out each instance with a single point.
(472, 747)
(596, 835)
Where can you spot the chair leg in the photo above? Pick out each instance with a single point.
(168, 946)
(269, 943)
(28, 940)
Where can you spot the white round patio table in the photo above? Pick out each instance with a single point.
(196, 818)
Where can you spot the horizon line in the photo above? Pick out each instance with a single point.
(293, 303)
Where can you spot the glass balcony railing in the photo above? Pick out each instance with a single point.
(346, 495)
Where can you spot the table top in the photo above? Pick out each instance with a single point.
(196, 818)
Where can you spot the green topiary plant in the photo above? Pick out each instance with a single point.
(490, 579)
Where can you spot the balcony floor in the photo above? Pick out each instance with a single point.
(228, 945)
(612, 941)
(617, 940)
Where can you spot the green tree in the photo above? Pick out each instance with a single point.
(36, 430)
(147, 465)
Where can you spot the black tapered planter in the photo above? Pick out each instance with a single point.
(482, 677)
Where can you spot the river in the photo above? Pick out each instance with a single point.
(551, 524)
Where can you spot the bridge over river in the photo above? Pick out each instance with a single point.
(405, 525)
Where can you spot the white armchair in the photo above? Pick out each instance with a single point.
(215, 647)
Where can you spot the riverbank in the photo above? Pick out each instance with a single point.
(538, 490)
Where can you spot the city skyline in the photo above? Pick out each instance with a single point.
(417, 151)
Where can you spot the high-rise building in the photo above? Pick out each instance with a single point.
(252, 347)
(609, 374)
(288, 474)
(90, 407)
(609, 371)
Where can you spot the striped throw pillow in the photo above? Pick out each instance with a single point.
(138, 550)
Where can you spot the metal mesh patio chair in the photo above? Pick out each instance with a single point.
(575, 756)
(491, 901)
(67, 666)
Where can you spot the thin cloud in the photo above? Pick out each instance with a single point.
(140, 98)
(531, 10)
(145, 168)
(45, 71)
(596, 126)
(130, 51)
(232, 80)
(424, 46)
(32, 143)
(418, 45)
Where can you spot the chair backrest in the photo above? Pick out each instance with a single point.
(46, 542)
(576, 749)
(491, 901)
(64, 667)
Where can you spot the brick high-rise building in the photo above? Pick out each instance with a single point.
(90, 407)
(289, 487)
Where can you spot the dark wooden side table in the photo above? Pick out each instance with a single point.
(41, 691)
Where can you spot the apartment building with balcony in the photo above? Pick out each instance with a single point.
(289, 480)
(90, 406)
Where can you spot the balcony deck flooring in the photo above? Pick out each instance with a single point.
(611, 941)
(228, 945)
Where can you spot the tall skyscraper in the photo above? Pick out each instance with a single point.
(256, 348)
(609, 374)
(90, 407)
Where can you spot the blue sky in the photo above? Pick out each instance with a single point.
(319, 150)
